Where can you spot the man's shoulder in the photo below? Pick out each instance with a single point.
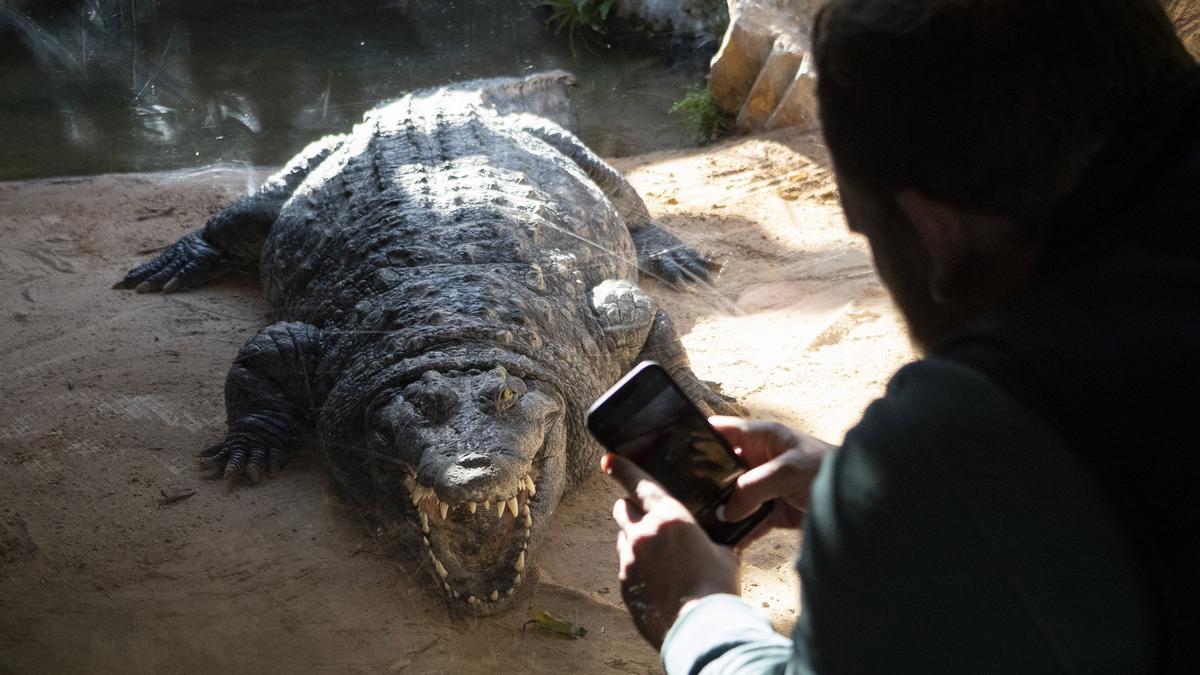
(947, 432)
(943, 419)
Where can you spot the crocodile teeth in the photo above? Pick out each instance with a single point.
(500, 510)
(528, 519)
(509, 591)
(495, 596)
(520, 565)
(424, 523)
(512, 506)
(471, 507)
(441, 569)
(487, 504)
(444, 508)
(472, 599)
(530, 486)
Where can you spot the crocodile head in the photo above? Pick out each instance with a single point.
(481, 455)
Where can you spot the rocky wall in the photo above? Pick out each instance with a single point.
(1186, 15)
(763, 72)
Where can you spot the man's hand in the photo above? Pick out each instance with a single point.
(666, 559)
(783, 464)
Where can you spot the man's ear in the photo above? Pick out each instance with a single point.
(942, 229)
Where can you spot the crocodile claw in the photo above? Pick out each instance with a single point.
(188, 263)
(243, 455)
(663, 256)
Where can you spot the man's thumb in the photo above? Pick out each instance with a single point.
(753, 488)
(642, 488)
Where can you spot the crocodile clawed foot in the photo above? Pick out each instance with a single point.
(243, 456)
(188, 263)
(720, 402)
(663, 256)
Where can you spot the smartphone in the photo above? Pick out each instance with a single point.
(647, 418)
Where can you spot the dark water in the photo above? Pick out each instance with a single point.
(140, 85)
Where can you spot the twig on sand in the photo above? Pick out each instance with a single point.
(172, 497)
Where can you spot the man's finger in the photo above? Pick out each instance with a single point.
(769, 481)
(759, 440)
(642, 489)
(732, 428)
(624, 552)
(626, 513)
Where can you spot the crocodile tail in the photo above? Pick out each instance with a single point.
(544, 94)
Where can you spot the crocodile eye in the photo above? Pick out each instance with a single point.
(505, 398)
(506, 395)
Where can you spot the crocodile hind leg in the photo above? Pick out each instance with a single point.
(660, 253)
(635, 326)
(272, 388)
(231, 240)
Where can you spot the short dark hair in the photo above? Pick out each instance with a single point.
(992, 105)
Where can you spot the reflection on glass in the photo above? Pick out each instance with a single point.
(109, 86)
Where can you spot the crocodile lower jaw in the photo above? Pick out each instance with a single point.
(435, 515)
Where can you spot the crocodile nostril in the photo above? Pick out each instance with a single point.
(475, 462)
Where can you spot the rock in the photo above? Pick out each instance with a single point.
(773, 81)
(759, 60)
(799, 105)
(1186, 15)
(736, 64)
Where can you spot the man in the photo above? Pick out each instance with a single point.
(1024, 498)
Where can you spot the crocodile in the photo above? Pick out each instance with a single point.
(455, 281)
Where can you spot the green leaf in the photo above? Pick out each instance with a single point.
(546, 621)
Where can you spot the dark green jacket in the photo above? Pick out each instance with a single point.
(952, 533)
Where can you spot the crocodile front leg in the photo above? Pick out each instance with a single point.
(625, 314)
(231, 240)
(660, 253)
(637, 330)
(272, 388)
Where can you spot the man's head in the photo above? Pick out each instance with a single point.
(958, 127)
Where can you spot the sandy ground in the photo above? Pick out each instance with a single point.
(107, 395)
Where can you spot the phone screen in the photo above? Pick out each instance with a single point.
(648, 419)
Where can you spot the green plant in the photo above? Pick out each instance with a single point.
(704, 118)
(578, 16)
